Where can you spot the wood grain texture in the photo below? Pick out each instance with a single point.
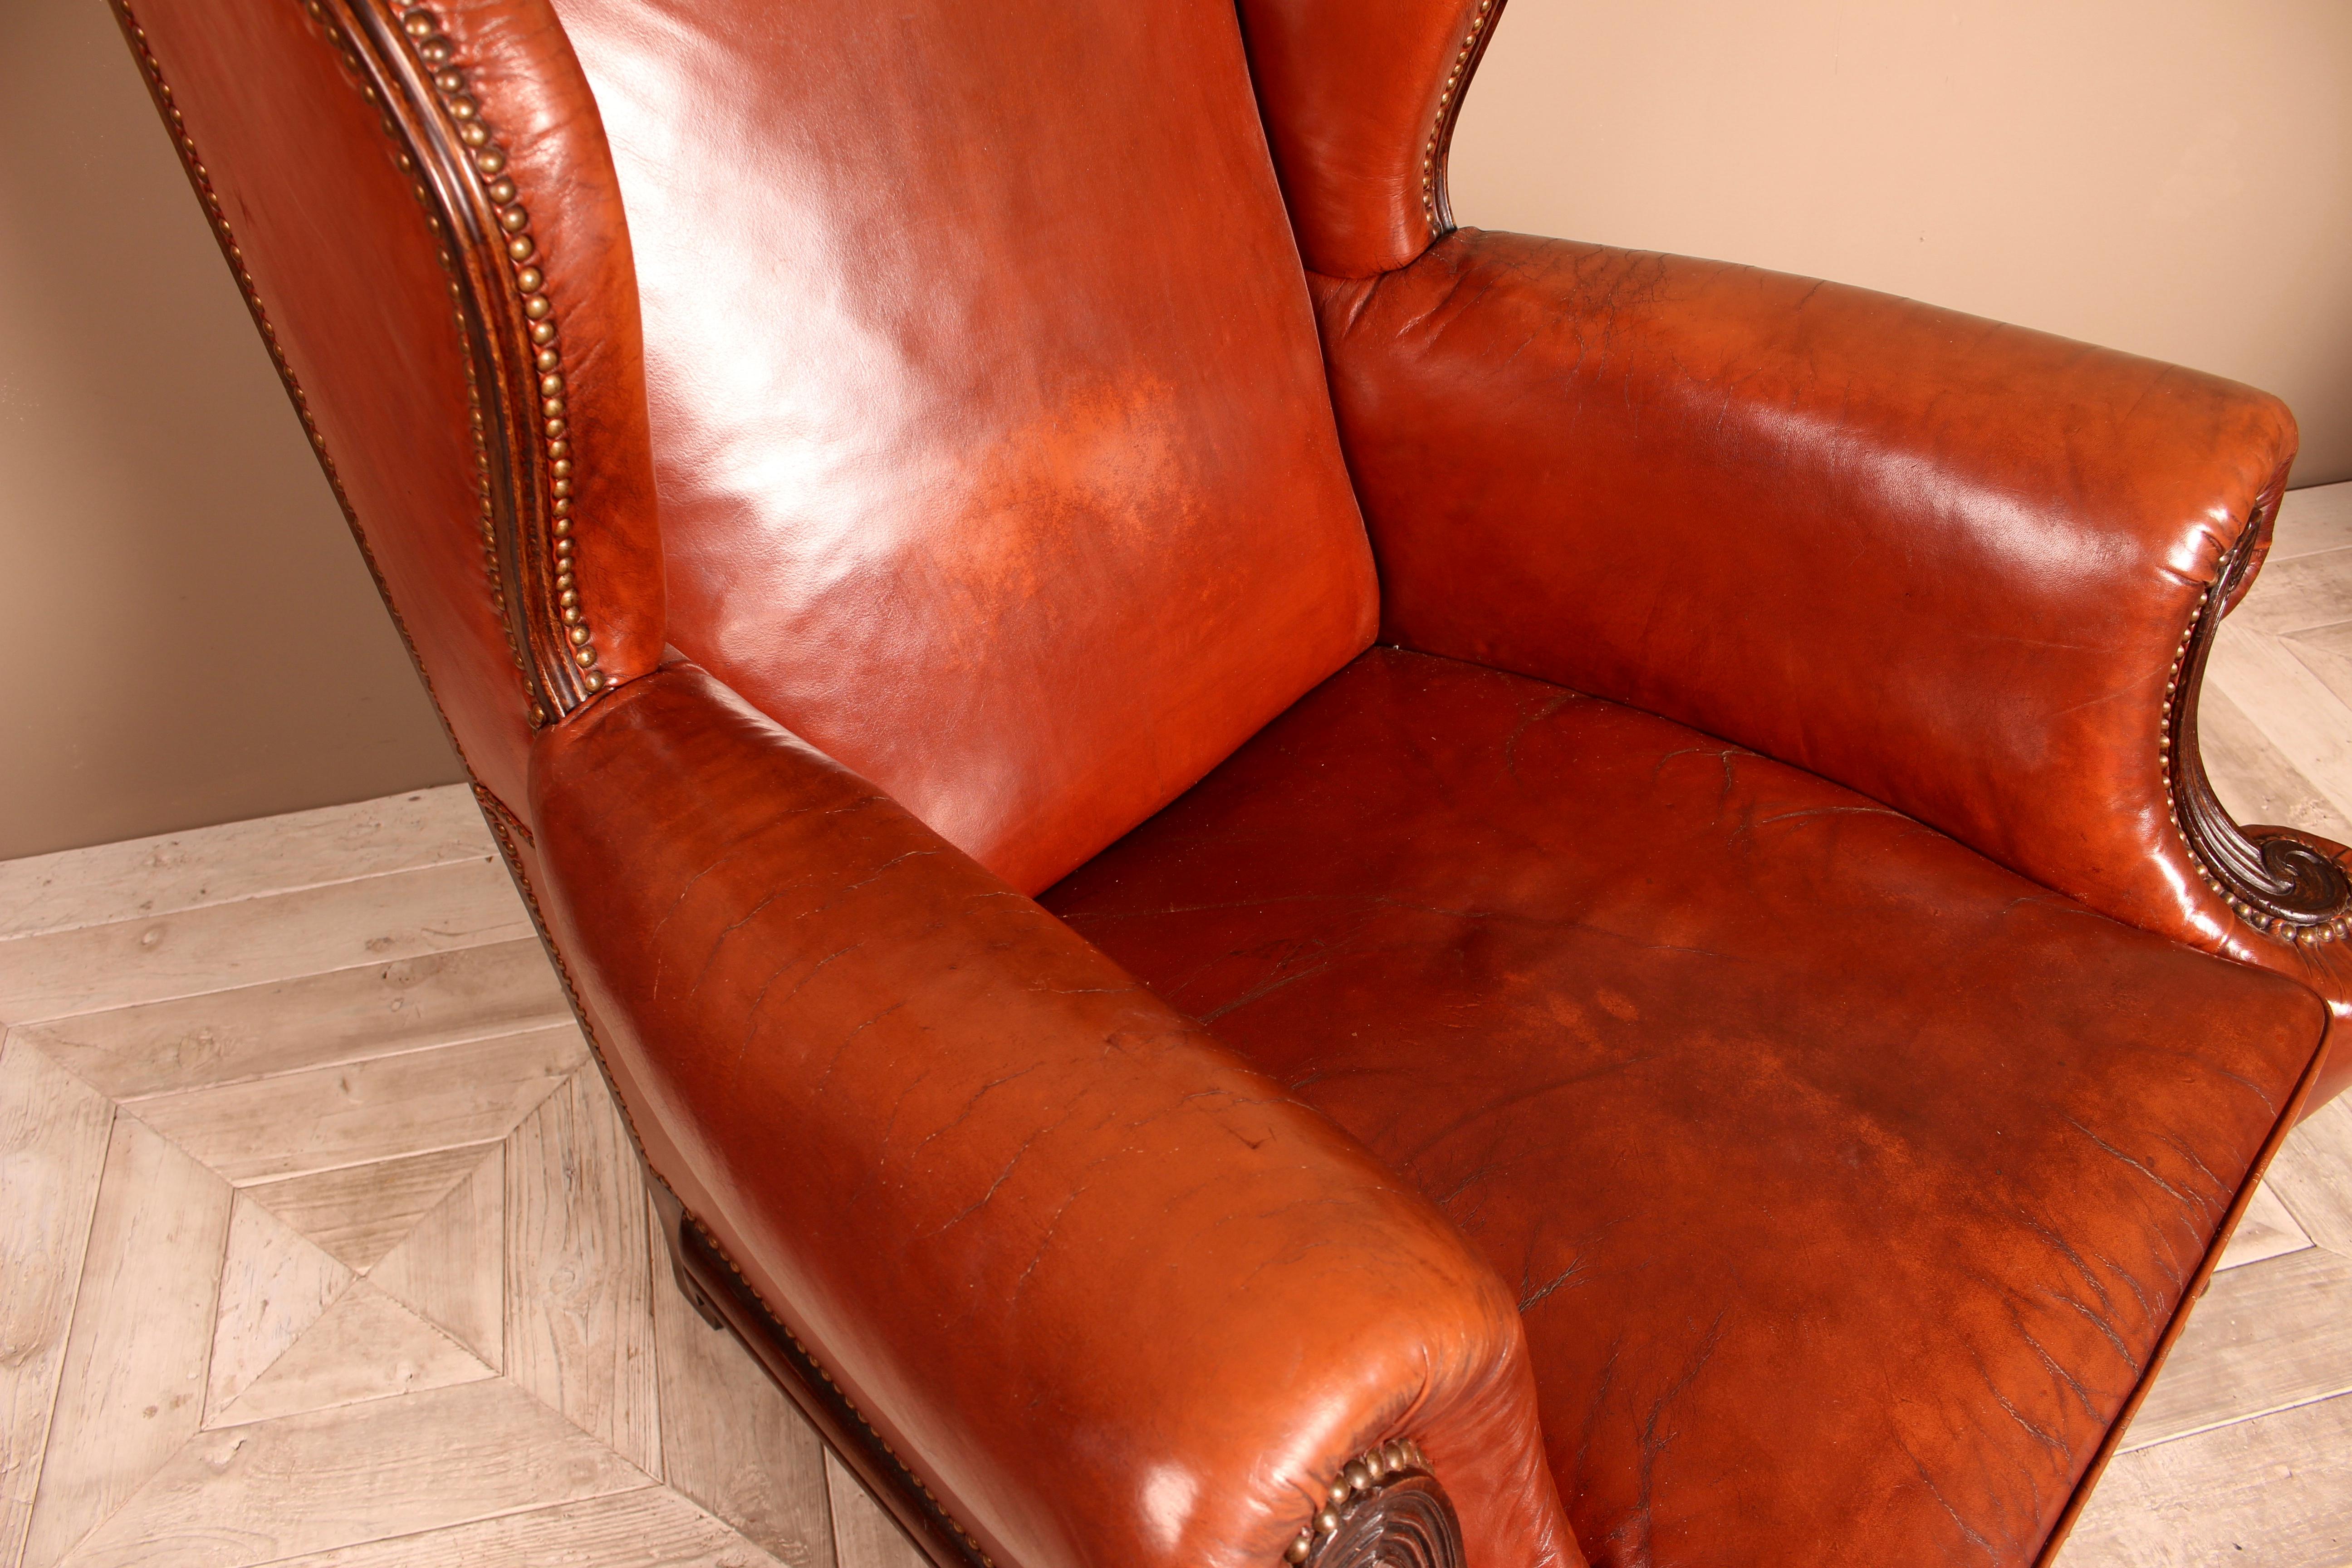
(2296, 591)
(376, 919)
(2326, 652)
(364, 1346)
(730, 1438)
(2313, 1176)
(133, 1389)
(333, 1478)
(864, 1534)
(451, 1269)
(2292, 707)
(2271, 1335)
(274, 1284)
(579, 1330)
(2274, 1491)
(648, 1528)
(317, 1020)
(2267, 1230)
(140, 878)
(2313, 519)
(53, 1131)
(387, 1107)
(2253, 778)
(359, 1213)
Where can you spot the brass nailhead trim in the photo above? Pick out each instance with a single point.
(1368, 1472)
(446, 72)
(1444, 103)
(954, 1525)
(2309, 936)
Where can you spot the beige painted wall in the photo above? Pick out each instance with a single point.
(190, 636)
(2173, 178)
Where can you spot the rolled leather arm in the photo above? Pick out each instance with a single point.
(1114, 1297)
(1963, 568)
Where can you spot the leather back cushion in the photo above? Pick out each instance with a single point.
(993, 449)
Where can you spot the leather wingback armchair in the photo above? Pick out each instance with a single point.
(1266, 880)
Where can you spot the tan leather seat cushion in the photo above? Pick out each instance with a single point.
(1848, 1180)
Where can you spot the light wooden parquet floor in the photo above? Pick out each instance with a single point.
(321, 1241)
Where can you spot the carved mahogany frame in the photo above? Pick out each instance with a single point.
(2275, 880)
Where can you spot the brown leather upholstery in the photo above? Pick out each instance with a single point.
(1360, 99)
(1129, 1300)
(994, 450)
(1947, 562)
(1795, 1184)
(1848, 1184)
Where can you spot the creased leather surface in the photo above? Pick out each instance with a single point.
(1127, 1300)
(1352, 91)
(1945, 561)
(1846, 1181)
(995, 449)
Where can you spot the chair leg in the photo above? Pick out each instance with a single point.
(673, 1225)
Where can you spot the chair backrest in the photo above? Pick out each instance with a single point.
(993, 447)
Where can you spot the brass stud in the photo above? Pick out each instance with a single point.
(472, 134)
(548, 359)
(585, 657)
(490, 160)
(1359, 1475)
(464, 107)
(419, 24)
(561, 505)
(560, 468)
(556, 427)
(1326, 1522)
(1298, 1549)
(520, 247)
(435, 51)
(1338, 1493)
(567, 598)
(530, 279)
(450, 79)
(537, 307)
(571, 616)
(562, 526)
(514, 219)
(595, 680)
(540, 332)
(553, 408)
(562, 487)
(559, 449)
(564, 547)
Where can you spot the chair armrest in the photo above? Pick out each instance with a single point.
(1114, 1297)
(1965, 569)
